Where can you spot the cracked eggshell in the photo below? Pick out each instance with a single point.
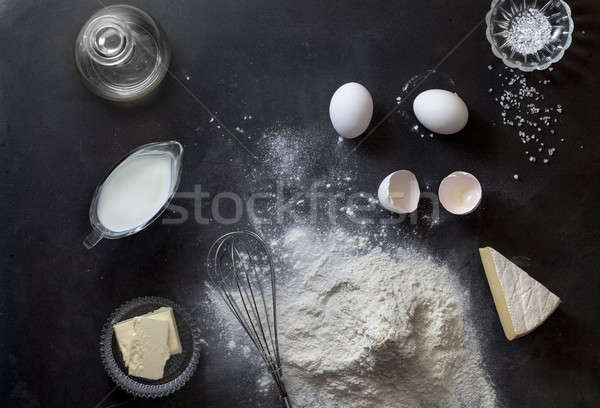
(351, 110)
(441, 111)
(399, 192)
(460, 193)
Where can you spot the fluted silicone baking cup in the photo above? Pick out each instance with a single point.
(178, 369)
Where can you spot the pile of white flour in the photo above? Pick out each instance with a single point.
(361, 327)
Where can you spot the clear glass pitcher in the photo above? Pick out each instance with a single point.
(171, 150)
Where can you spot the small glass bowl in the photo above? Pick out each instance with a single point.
(500, 17)
(178, 369)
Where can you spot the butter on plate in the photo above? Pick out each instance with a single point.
(132, 329)
(148, 349)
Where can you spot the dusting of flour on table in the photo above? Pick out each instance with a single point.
(361, 327)
(361, 322)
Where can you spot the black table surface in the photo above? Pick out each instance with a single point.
(280, 62)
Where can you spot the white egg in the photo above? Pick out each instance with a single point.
(351, 110)
(441, 111)
(460, 193)
(399, 192)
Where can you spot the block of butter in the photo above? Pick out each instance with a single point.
(148, 349)
(166, 314)
(124, 332)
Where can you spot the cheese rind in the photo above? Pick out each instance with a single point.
(522, 303)
(148, 349)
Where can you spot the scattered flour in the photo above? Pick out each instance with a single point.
(361, 323)
(362, 327)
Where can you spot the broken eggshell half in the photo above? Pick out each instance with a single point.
(399, 192)
(460, 193)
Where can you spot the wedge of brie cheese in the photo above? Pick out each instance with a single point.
(522, 303)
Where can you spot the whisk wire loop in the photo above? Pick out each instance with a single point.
(241, 271)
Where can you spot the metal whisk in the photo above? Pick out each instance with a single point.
(241, 270)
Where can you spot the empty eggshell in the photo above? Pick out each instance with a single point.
(399, 192)
(441, 111)
(460, 193)
(351, 110)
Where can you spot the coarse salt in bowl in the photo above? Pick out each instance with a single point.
(527, 34)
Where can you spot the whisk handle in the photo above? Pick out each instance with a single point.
(287, 402)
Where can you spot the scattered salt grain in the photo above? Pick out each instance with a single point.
(521, 106)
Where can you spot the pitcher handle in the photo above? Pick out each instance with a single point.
(92, 239)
